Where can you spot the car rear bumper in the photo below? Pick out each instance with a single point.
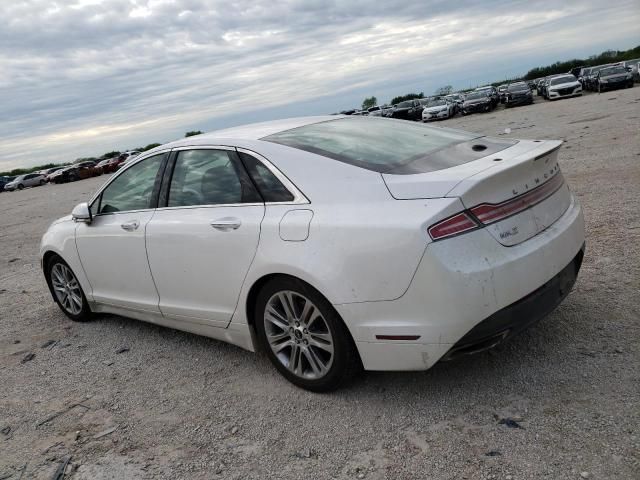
(519, 315)
(462, 282)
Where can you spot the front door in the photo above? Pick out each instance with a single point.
(112, 247)
(201, 245)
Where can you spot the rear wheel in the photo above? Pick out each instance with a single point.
(303, 336)
(66, 290)
(42, 182)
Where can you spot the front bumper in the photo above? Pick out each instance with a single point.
(564, 93)
(435, 115)
(513, 101)
(460, 283)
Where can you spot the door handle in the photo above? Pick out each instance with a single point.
(130, 226)
(226, 224)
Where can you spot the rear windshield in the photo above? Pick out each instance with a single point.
(378, 144)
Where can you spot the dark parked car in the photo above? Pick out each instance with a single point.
(613, 77)
(591, 80)
(477, 101)
(493, 94)
(502, 92)
(69, 174)
(582, 76)
(88, 169)
(408, 110)
(110, 165)
(518, 94)
(3, 182)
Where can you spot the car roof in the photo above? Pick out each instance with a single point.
(249, 132)
(255, 131)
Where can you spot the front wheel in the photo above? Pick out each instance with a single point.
(20, 186)
(66, 290)
(42, 182)
(303, 336)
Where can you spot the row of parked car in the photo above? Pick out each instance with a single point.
(597, 79)
(485, 99)
(482, 99)
(68, 173)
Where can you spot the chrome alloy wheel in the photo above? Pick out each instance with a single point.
(67, 289)
(298, 335)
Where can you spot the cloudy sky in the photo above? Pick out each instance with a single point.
(82, 77)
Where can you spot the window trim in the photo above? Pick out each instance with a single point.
(298, 196)
(163, 195)
(156, 186)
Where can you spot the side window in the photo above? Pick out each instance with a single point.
(133, 188)
(209, 177)
(271, 189)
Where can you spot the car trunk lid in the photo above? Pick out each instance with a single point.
(516, 192)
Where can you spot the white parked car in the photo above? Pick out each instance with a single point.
(28, 180)
(437, 109)
(563, 86)
(331, 243)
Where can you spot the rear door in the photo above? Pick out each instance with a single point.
(202, 241)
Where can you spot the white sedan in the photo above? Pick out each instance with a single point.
(563, 86)
(331, 243)
(437, 110)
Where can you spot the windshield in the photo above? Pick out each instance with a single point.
(405, 104)
(373, 143)
(436, 103)
(559, 80)
(474, 95)
(612, 71)
(518, 87)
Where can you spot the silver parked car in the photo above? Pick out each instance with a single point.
(28, 180)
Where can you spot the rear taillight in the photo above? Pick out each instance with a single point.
(451, 226)
(488, 213)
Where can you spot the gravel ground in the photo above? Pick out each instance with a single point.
(559, 401)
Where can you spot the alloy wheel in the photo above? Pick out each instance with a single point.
(298, 335)
(66, 288)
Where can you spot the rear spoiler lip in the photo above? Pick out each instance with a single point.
(547, 147)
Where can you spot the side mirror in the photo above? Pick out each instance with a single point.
(81, 213)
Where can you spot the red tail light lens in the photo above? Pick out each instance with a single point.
(451, 226)
(489, 213)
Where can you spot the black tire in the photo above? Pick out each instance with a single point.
(42, 182)
(85, 311)
(20, 186)
(345, 362)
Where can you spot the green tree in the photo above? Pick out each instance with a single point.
(408, 96)
(149, 147)
(192, 133)
(369, 102)
(446, 90)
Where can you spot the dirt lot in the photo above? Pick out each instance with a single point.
(175, 405)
